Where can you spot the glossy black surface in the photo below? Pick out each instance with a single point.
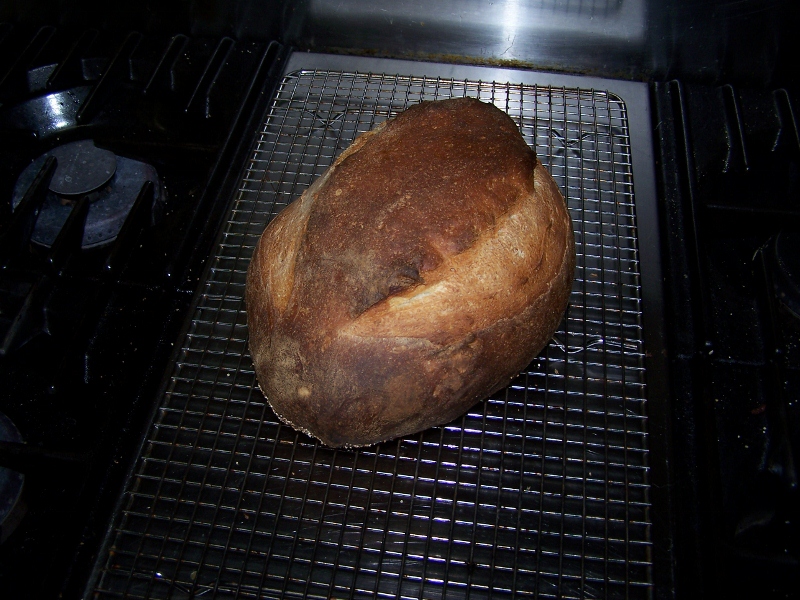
(11, 482)
(786, 269)
(729, 160)
(84, 333)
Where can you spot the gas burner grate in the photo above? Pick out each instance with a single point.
(111, 183)
(540, 491)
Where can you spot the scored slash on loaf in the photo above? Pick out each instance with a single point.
(418, 275)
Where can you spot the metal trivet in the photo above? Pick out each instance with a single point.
(540, 491)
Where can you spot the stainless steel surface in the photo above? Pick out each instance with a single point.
(511, 30)
(542, 490)
(627, 39)
(532, 32)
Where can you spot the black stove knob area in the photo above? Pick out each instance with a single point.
(786, 269)
(110, 182)
(11, 482)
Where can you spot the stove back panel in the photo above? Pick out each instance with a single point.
(738, 42)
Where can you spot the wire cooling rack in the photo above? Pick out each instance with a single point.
(540, 491)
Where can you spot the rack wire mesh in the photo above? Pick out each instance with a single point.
(540, 491)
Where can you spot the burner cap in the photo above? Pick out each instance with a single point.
(82, 168)
(11, 509)
(786, 263)
(112, 183)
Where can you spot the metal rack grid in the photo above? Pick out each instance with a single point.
(540, 491)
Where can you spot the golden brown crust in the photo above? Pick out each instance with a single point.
(420, 273)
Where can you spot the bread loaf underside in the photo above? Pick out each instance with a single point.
(424, 345)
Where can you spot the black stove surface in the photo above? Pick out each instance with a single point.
(115, 154)
(730, 174)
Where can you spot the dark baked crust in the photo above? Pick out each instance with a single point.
(420, 273)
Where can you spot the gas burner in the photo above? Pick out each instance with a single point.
(111, 182)
(786, 269)
(11, 482)
(83, 168)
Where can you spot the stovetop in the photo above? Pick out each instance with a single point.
(545, 489)
(93, 309)
(729, 160)
(114, 154)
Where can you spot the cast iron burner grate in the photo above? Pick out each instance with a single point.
(541, 491)
(12, 508)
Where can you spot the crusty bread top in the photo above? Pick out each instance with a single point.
(436, 244)
(398, 205)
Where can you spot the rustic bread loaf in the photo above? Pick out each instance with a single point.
(419, 274)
